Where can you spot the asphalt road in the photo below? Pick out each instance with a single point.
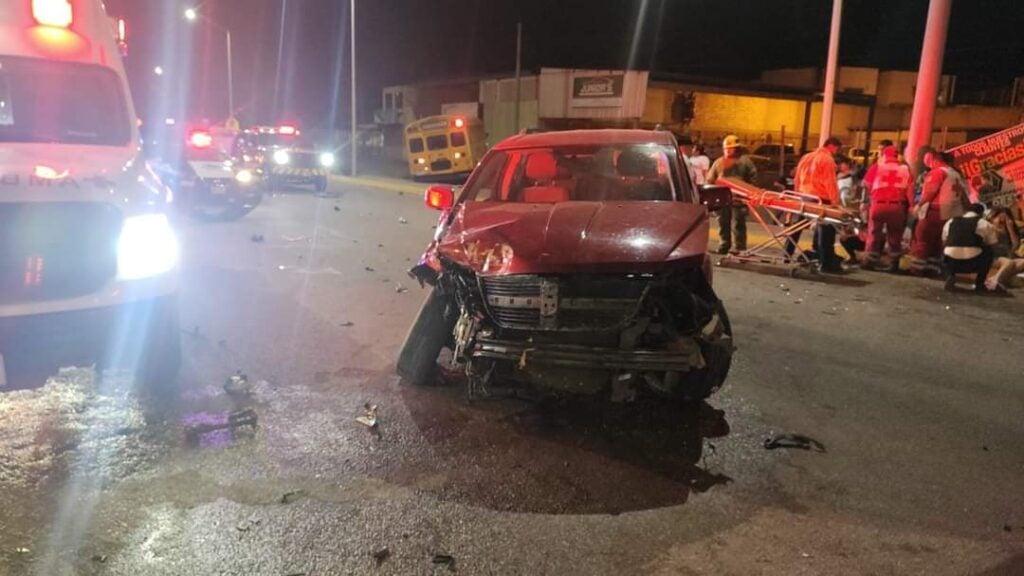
(914, 400)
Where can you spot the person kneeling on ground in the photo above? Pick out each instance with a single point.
(968, 241)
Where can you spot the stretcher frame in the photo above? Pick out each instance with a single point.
(768, 208)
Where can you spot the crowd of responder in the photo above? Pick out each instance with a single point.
(948, 232)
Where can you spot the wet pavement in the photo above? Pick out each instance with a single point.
(911, 400)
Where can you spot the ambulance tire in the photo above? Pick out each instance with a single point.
(160, 362)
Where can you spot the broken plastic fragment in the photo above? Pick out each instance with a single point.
(369, 418)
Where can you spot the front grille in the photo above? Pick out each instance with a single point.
(305, 160)
(50, 251)
(438, 165)
(577, 302)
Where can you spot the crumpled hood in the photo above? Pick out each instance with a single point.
(496, 238)
(83, 174)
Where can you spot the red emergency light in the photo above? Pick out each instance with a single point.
(288, 130)
(459, 123)
(200, 139)
(56, 13)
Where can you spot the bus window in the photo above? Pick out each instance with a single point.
(458, 139)
(439, 142)
(415, 145)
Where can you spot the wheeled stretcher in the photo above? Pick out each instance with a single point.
(783, 215)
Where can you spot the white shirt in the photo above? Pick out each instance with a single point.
(984, 228)
(699, 166)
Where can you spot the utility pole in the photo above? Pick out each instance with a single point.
(352, 141)
(280, 56)
(519, 71)
(231, 79)
(831, 71)
(928, 78)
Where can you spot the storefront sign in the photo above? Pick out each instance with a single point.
(994, 167)
(598, 90)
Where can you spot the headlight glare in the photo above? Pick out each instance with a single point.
(282, 157)
(327, 159)
(244, 176)
(147, 247)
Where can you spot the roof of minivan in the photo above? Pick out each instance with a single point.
(586, 137)
(90, 38)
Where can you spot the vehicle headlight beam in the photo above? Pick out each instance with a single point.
(147, 247)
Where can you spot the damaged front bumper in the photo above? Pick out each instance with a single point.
(684, 359)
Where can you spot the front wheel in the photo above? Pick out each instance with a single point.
(417, 362)
(717, 350)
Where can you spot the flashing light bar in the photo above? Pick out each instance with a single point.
(200, 139)
(55, 13)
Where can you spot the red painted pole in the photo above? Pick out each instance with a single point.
(928, 78)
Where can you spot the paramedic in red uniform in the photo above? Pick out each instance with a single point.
(943, 196)
(891, 187)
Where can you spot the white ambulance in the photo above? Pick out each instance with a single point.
(88, 256)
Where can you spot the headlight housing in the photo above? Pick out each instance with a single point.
(327, 159)
(244, 176)
(147, 247)
(282, 157)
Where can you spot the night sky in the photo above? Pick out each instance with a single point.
(408, 40)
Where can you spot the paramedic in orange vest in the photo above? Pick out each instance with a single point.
(891, 187)
(816, 176)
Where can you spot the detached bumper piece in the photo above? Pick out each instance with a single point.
(684, 359)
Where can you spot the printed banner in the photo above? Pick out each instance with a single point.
(994, 168)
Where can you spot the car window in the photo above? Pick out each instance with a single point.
(43, 101)
(458, 139)
(577, 173)
(486, 181)
(415, 145)
(438, 142)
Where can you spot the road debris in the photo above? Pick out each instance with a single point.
(257, 238)
(292, 496)
(22, 550)
(369, 417)
(347, 324)
(237, 385)
(444, 560)
(288, 238)
(369, 269)
(1007, 528)
(797, 441)
(381, 555)
(337, 208)
(401, 289)
(248, 524)
(234, 420)
(99, 558)
(402, 220)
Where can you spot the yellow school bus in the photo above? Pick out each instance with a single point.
(444, 145)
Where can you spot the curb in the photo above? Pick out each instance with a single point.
(389, 184)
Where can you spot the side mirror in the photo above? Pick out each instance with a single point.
(715, 197)
(440, 197)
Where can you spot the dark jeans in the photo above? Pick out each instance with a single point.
(852, 245)
(733, 219)
(979, 265)
(825, 237)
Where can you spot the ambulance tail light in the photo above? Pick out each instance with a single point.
(459, 123)
(200, 139)
(55, 13)
(287, 130)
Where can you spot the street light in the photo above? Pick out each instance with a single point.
(192, 16)
(159, 70)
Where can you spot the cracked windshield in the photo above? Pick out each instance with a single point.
(588, 287)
